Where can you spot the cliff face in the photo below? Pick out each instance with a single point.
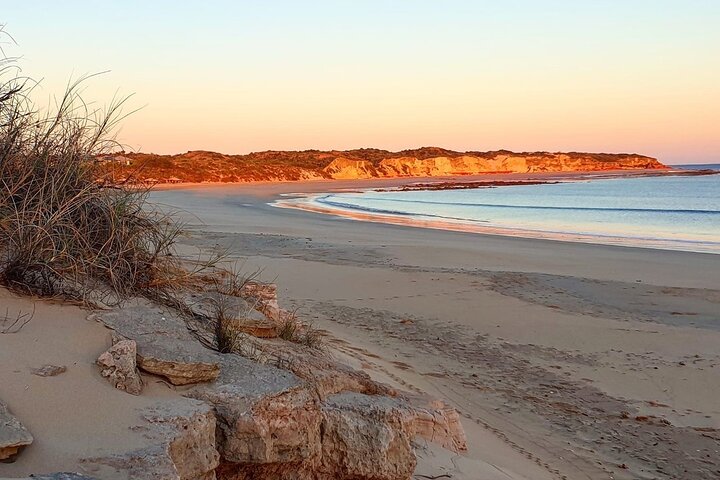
(199, 166)
(469, 165)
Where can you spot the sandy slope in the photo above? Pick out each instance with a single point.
(76, 414)
(571, 360)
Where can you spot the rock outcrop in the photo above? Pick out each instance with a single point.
(281, 410)
(119, 365)
(501, 162)
(13, 435)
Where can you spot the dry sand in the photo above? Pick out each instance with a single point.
(76, 414)
(566, 360)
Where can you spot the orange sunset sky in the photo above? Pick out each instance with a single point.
(613, 76)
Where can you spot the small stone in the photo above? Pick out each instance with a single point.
(61, 476)
(13, 435)
(119, 365)
(49, 370)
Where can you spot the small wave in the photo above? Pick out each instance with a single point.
(325, 200)
(350, 206)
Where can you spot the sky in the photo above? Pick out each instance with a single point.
(634, 76)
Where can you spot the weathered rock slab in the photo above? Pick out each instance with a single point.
(119, 365)
(369, 436)
(325, 375)
(366, 437)
(13, 435)
(261, 412)
(179, 367)
(49, 370)
(165, 347)
(254, 328)
(208, 304)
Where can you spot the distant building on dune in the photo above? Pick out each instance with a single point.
(117, 159)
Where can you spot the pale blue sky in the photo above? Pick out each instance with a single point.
(633, 75)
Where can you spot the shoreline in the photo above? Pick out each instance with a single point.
(301, 194)
(306, 204)
(405, 180)
(308, 190)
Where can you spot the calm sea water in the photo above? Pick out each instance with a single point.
(681, 213)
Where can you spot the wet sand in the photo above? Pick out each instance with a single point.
(566, 360)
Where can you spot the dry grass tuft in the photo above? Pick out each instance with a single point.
(64, 231)
(293, 331)
(227, 338)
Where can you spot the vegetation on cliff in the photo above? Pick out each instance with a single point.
(203, 166)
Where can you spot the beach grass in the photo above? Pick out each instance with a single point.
(64, 230)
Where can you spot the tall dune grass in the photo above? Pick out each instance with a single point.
(64, 231)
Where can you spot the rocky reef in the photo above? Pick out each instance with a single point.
(201, 166)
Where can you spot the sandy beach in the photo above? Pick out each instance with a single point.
(566, 360)
(360, 241)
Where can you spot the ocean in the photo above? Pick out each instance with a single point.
(669, 212)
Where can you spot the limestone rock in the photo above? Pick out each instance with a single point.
(447, 163)
(285, 412)
(326, 375)
(119, 365)
(263, 297)
(274, 425)
(348, 436)
(13, 435)
(183, 432)
(256, 328)
(438, 423)
(265, 414)
(179, 367)
(368, 436)
(206, 304)
(245, 313)
(165, 347)
(49, 370)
